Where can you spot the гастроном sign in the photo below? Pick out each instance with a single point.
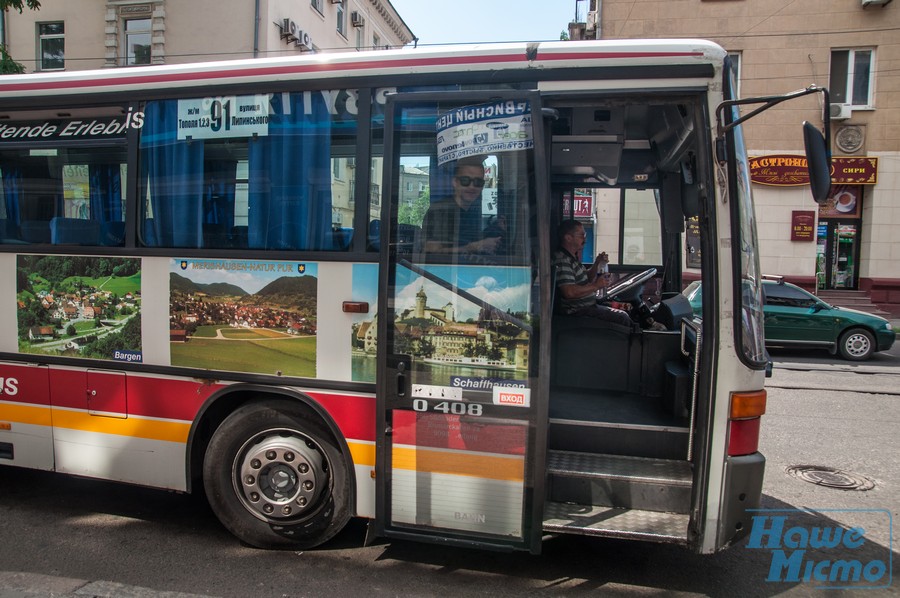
(785, 170)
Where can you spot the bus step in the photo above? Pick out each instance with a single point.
(619, 481)
(659, 441)
(609, 522)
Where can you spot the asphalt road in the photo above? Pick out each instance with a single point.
(70, 537)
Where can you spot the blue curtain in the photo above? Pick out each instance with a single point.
(29, 180)
(175, 171)
(106, 192)
(290, 176)
(13, 190)
(218, 193)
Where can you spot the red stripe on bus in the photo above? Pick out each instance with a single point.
(333, 67)
(24, 384)
(177, 399)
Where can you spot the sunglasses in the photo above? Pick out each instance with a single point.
(465, 181)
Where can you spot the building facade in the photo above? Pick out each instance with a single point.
(89, 34)
(852, 48)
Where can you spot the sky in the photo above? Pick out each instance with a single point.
(461, 21)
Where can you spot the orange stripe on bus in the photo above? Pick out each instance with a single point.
(459, 463)
(134, 427)
(25, 414)
(362, 453)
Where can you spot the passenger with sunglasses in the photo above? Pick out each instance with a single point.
(453, 225)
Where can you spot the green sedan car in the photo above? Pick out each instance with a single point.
(796, 318)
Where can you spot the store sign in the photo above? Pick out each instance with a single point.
(854, 171)
(843, 202)
(787, 170)
(803, 225)
(584, 204)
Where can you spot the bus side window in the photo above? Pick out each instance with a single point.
(285, 184)
(64, 196)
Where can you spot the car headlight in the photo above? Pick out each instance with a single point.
(888, 326)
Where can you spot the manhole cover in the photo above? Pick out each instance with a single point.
(830, 477)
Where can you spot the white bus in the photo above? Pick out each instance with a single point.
(215, 276)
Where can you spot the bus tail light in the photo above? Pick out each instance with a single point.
(744, 419)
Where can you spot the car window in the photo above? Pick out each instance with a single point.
(787, 296)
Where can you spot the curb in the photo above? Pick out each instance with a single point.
(35, 585)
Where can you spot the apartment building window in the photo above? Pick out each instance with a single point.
(51, 46)
(137, 41)
(341, 19)
(317, 4)
(852, 78)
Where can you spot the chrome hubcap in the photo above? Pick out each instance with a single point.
(857, 345)
(279, 475)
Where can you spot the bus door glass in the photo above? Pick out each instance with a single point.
(458, 398)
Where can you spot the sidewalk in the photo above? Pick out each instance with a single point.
(35, 585)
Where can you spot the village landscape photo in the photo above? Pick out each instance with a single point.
(79, 306)
(244, 316)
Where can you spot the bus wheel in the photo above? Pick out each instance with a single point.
(857, 344)
(275, 479)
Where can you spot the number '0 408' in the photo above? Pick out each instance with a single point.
(451, 407)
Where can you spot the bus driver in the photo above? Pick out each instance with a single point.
(577, 288)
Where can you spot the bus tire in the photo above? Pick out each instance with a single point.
(274, 477)
(857, 344)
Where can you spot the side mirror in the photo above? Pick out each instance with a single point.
(818, 161)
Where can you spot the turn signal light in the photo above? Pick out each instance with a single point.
(743, 429)
(748, 404)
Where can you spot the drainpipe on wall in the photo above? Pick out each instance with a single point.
(256, 30)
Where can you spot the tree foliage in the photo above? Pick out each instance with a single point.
(8, 66)
(20, 4)
(414, 213)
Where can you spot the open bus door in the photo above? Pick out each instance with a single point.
(462, 399)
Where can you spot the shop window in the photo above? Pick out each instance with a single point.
(852, 77)
(51, 46)
(137, 41)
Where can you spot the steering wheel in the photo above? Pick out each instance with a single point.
(620, 287)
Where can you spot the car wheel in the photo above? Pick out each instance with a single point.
(857, 344)
(274, 477)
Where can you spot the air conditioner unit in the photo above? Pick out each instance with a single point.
(357, 19)
(303, 41)
(288, 30)
(866, 3)
(840, 111)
